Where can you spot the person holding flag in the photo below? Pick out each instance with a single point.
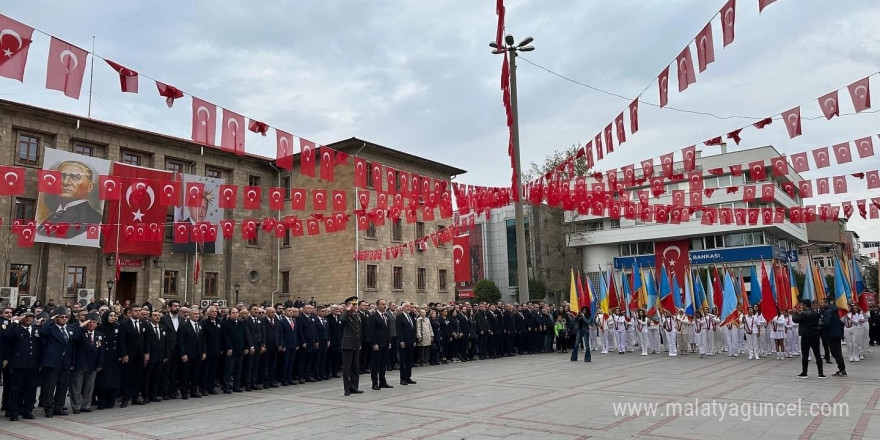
(713, 344)
(792, 340)
(700, 332)
(653, 333)
(641, 329)
(753, 331)
(732, 336)
(670, 327)
(851, 333)
(620, 328)
(603, 333)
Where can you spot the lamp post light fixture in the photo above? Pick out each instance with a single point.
(237, 287)
(522, 270)
(109, 290)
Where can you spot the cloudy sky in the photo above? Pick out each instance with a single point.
(419, 76)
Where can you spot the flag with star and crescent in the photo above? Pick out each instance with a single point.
(207, 211)
(138, 207)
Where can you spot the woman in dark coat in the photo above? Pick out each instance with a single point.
(438, 339)
(109, 379)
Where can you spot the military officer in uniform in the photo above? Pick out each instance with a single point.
(57, 340)
(23, 350)
(351, 346)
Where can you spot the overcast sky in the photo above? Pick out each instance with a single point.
(418, 76)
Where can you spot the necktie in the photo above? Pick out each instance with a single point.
(63, 332)
(91, 339)
(137, 326)
(156, 329)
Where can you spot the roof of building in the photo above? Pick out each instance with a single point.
(355, 144)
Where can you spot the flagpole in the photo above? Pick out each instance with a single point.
(116, 266)
(91, 78)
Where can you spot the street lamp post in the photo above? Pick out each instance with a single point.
(109, 290)
(521, 263)
(237, 287)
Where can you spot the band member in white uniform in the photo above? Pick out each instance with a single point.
(594, 335)
(653, 334)
(700, 332)
(670, 326)
(719, 336)
(777, 335)
(641, 329)
(602, 327)
(712, 334)
(863, 321)
(620, 327)
(731, 332)
(764, 338)
(683, 331)
(752, 327)
(792, 340)
(850, 333)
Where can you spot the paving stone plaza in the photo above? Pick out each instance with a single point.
(528, 397)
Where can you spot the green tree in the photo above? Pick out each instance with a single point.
(537, 290)
(829, 280)
(870, 274)
(487, 291)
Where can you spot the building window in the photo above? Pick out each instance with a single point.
(254, 180)
(169, 283)
(441, 280)
(175, 166)
(24, 209)
(371, 230)
(285, 183)
(85, 150)
(440, 229)
(28, 149)
(211, 283)
(285, 241)
(76, 279)
(285, 282)
(19, 276)
(214, 173)
(169, 226)
(131, 158)
(254, 241)
(397, 278)
(372, 276)
(421, 279)
(615, 224)
(641, 248)
(397, 230)
(594, 226)
(420, 230)
(369, 176)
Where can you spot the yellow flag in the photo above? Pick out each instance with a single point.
(573, 295)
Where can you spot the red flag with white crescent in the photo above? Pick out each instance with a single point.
(138, 206)
(705, 47)
(860, 92)
(792, 120)
(228, 197)
(66, 68)
(195, 194)
(461, 258)
(204, 122)
(306, 157)
(284, 150)
(829, 105)
(253, 196)
(49, 181)
(13, 180)
(685, 66)
(109, 188)
(276, 198)
(232, 133)
(15, 40)
(128, 79)
(728, 21)
(663, 85)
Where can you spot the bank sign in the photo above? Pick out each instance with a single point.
(713, 256)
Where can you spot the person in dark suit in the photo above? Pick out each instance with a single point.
(323, 327)
(109, 380)
(350, 320)
(72, 205)
(172, 372)
(89, 359)
(808, 329)
(5, 321)
(464, 326)
(481, 321)
(308, 340)
(290, 342)
(23, 350)
(406, 337)
(214, 354)
(272, 325)
(192, 351)
(335, 350)
(235, 341)
(253, 361)
(832, 327)
(58, 357)
(132, 331)
(156, 352)
(379, 337)
(363, 310)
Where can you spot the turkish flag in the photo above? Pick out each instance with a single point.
(169, 194)
(873, 179)
(663, 84)
(678, 197)
(839, 184)
(169, 92)
(768, 191)
(319, 199)
(228, 197)
(258, 127)
(708, 192)
(710, 216)
(842, 153)
(138, 207)
(312, 226)
(714, 141)
(276, 198)
(757, 171)
(800, 163)
(728, 21)
(360, 172)
(748, 193)
(658, 187)
(726, 216)
(377, 178)
(232, 133)
(66, 67)
(860, 92)
(108, 188)
(767, 216)
(847, 209)
(588, 152)
(296, 228)
(298, 199)
(820, 155)
(283, 150)
(689, 155)
(779, 166)
(248, 229)
(15, 40)
(181, 232)
(763, 123)
(696, 199)
(609, 139)
(340, 202)
(195, 194)
(382, 201)
(26, 236)
(128, 79)
(328, 163)
(788, 187)
(792, 119)
(253, 196)
(228, 228)
(705, 47)
(391, 180)
(49, 181)
(600, 153)
(204, 122)
(13, 178)
(403, 179)
(210, 233)
(634, 116)
(648, 167)
(620, 129)
(666, 165)
(822, 186)
(280, 230)
(763, 4)
(740, 216)
(865, 147)
(829, 105)
(805, 187)
(93, 232)
(685, 63)
(364, 199)
(307, 157)
(427, 214)
(695, 181)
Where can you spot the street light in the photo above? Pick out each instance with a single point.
(237, 287)
(522, 270)
(109, 290)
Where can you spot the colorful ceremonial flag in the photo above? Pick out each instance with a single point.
(688, 293)
(653, 301)
(840, 290)
(809, 285)
(820, 283)
(858, 281)
(665, 291)
(792, 285)
(627, 290)
(603, 294)
(700, 292)
(717, 289)
(768, 307)
(572, 295)
(582, 299)
(755, 294)
(676, 293)
(613, 298)
(639, 292)
(710, 291)
(728, 306)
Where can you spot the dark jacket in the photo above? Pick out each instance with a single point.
(158, 346)
(165, 320)
(406, 331)
(289, 333)
(351, 330)
(23, 349)
(830, 322)
(235, 337)
(272, 327)
(335, 333)
(57, 351)
(307, 331)
(808, 323)
(213, 337)
(110, 377)
(133, 341)
(189, 342)
(378, 329)
(89, 351)
(257, 330)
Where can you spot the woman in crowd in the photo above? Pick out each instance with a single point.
(424, 337)
(109, 379)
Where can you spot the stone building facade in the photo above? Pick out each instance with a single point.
(266, 269)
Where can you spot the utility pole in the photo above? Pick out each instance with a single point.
(521, 261)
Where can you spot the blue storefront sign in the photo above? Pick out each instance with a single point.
(715, 256)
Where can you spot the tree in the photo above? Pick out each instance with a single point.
(829, 281)
(871, 277)
(487, 291)
(537, 290)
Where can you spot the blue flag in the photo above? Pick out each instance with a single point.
(755, 283)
